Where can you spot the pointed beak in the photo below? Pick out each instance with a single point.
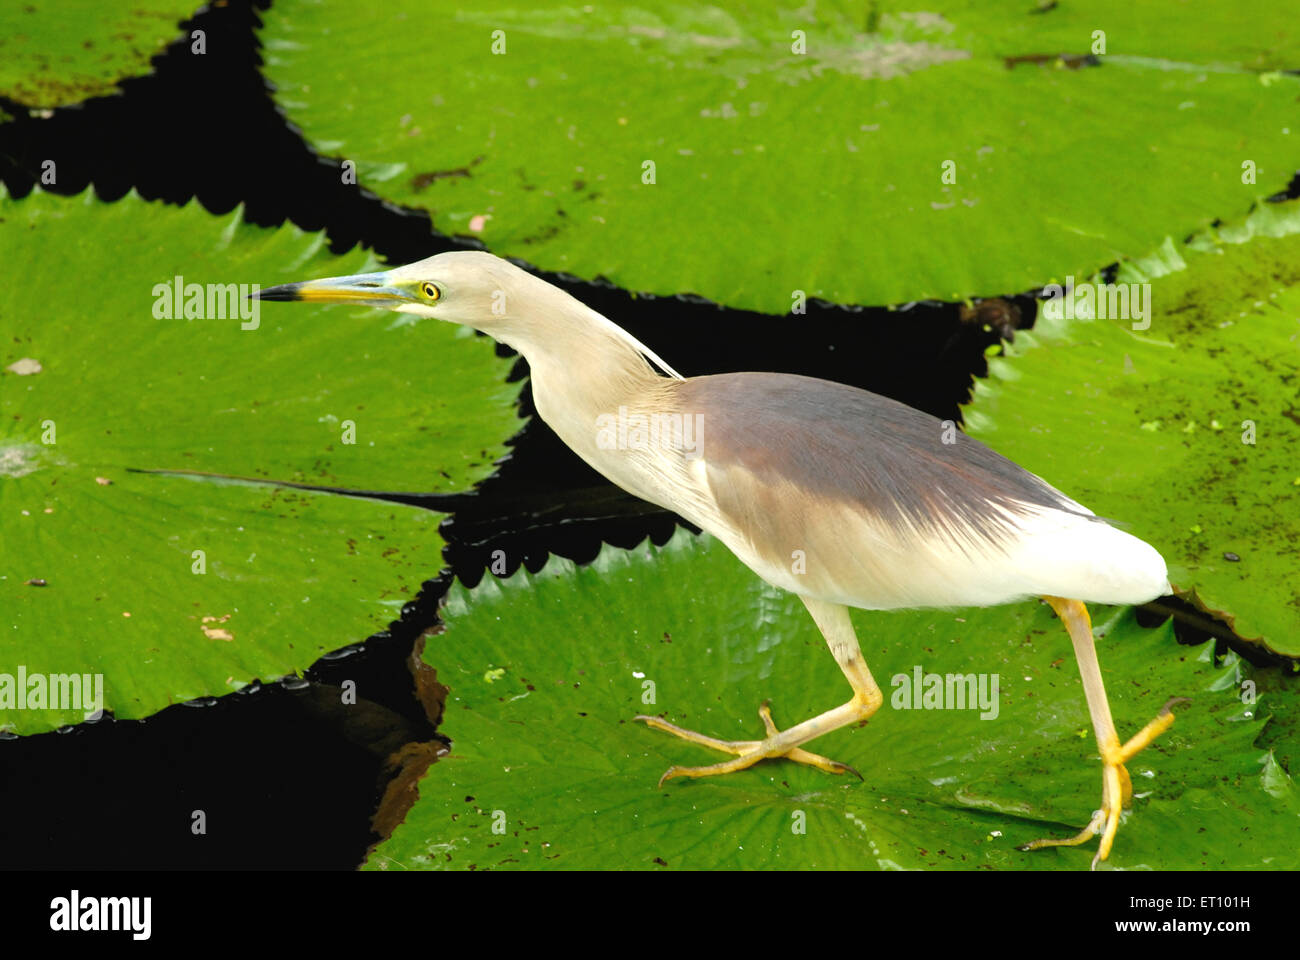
(362, 288)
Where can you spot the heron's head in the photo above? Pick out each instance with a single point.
(468, 287)
(479, 290)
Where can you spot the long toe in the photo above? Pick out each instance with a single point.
(737, 747)
(747, 752)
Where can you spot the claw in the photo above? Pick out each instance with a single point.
(845, 768)
(1168, 708)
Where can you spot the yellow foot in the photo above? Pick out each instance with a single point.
(1117, 788)
(747, 752)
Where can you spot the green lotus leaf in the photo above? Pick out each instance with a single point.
(900, 155)
(1188, 430)
(174, 585)
(548, 769)
(58, 52)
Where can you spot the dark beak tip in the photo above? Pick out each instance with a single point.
(286, 291)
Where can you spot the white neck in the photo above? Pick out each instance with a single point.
(584, 367)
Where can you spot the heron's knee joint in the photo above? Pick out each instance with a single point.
(868, 701)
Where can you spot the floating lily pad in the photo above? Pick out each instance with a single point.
(1187, 431)
(548, 769)
(57, 52)
(175, 586)
(902, 155)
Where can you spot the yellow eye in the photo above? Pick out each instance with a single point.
(430, 291)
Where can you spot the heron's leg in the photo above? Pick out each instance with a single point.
(1117, 789)
(833, 621)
